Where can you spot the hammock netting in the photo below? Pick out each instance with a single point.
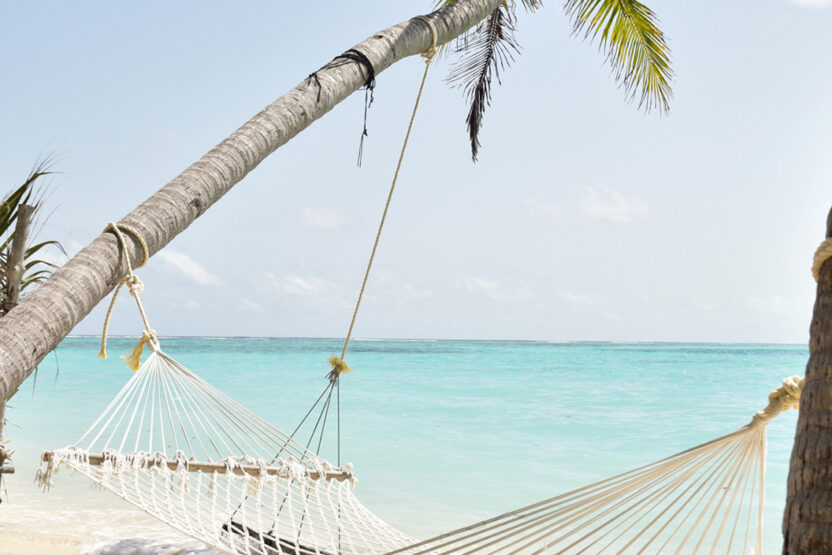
(185, 453)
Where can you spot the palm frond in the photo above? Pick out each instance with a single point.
(530, 5)
(30, 251)
(31, 193)
(633, 43)
(484, 53)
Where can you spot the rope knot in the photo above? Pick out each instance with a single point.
(339, 366)
(430, 52)
(821, 255)
(134, 285)
(785, 397)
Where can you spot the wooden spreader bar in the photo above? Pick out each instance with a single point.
(96, 459)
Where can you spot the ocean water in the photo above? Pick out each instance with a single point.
(441, 433)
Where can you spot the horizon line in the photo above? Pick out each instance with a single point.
(434, 339)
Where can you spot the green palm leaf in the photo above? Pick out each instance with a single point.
(36, 270)
(635, 46)
(629, 35)
(486, 51)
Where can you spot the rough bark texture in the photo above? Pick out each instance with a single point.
(39, 323)
(807, 522)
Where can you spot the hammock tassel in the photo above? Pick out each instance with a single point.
(134, 358)
(339, 366)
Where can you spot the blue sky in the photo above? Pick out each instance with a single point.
(585, 219)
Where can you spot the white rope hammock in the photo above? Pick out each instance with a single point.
(185, 453)
(710, 497)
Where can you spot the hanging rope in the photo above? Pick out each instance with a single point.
(135, 287)
(338, 364)
(821, 255)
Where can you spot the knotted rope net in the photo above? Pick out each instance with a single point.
(707, 498)
(185, 453)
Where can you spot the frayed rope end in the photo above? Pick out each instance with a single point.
(134, 359)
(339, 366)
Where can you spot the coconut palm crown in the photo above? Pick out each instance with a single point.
(627, 33)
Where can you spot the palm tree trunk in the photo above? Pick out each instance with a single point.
(47, 315)
(807, 522)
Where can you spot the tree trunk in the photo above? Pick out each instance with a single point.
(807, 522)
(47, 315)
(15, 270)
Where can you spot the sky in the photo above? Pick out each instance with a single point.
(584, 218)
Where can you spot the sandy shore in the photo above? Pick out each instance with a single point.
(15, 542)
(74, 518)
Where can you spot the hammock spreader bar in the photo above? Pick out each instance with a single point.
(97, 459)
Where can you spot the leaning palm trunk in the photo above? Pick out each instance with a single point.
(807, 522)
(47, 315)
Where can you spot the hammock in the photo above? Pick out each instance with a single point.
(709, 497)
(185, 453)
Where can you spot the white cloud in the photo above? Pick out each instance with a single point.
(191, 304)
(246, 305)
(294, 284)
(413, 292)
(321, 218)
(593, 206)
(612, 206)
(582, 298)
(812, 3)
(494, 291)
(772, 303)
(189, 268)
(705, 305)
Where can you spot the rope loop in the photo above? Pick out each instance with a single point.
(430, 52)
(822, 254)
(785, 397)
(117, 229)
(135, 287)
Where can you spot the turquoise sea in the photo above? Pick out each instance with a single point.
(441, 433)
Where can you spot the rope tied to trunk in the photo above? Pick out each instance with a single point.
(785, 397)
(135, 287)
(822, 254)
(428, 55)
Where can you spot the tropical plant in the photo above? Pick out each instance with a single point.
(627, 33)
(46, 315)
(35, 270)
